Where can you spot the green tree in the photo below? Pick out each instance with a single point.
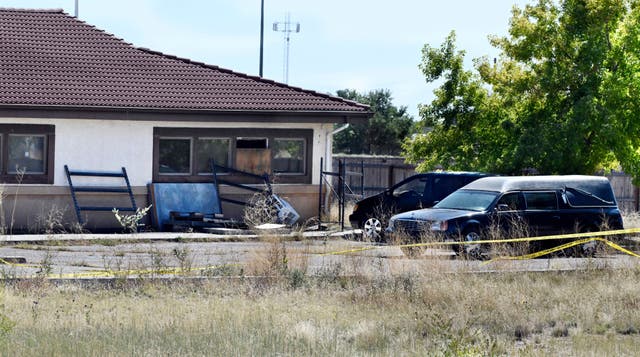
(451, 124)
(383, 134)
(561, 98)
(621, 88)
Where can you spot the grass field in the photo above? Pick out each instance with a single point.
(273, 306)
(593, 312)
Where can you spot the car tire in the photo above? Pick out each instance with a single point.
(472, 251)
(372, 229)
(586, 250)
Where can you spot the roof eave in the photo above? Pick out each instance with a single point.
(180, 114)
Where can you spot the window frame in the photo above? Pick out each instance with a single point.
(195, 133)
(46, 131)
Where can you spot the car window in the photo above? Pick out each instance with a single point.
(541, 200)
(579, 197)
(513, 200)
(414, 186)
(444, 186)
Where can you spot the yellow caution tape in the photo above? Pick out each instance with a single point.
(588, 235)
(569, 245)
(4, 262)
(565, 246)
(122, 273)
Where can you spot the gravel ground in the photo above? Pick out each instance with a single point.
(87, 256)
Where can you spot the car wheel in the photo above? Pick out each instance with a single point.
(473, 251)
(586, 250)
(372, 229)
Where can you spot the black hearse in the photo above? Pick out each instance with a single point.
(544, 204)
(418, 191)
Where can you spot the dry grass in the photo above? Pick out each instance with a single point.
(631, 219)
(333, 214)
(260, 210)
(592, 312)
(288, 299)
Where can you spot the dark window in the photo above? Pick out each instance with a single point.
(541, 200)
(513, 201)
(175, 156)
(414, 187)
(579, 197)
(445, 185)
(251, 143)
(26, 153)
(208, 149)
(185, 154)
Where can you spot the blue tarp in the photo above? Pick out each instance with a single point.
(182, 197)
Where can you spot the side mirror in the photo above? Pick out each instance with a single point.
(503, 207)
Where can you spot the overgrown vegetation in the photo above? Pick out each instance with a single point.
(260, 210)
(131, 222)
(287, 298)
(428, 313)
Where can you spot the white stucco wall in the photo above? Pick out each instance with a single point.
(108, 145)
(104, 145)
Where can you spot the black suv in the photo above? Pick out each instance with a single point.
(415, 192)
(545, 205)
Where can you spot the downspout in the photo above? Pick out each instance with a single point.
(340, 129)
(328, 154)
(326, 142)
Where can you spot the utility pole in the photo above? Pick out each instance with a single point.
(76, 12)
(261, 34)
(287, 28)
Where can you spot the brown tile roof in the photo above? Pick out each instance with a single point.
(48, 58)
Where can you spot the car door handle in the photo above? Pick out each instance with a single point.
(556, 217)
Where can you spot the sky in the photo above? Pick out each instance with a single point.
(363, 45)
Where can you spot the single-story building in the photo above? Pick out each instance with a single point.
(71, 94)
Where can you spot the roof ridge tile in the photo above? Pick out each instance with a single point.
(17, 9)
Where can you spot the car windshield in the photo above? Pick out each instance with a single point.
(468, 200)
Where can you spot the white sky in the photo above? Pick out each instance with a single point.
(357, 44)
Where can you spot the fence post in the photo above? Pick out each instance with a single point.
(390, 178)
(341, 177)
(320, 193)
(362, 178)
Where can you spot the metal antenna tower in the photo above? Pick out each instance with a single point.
(287, 28)
(261, 35)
